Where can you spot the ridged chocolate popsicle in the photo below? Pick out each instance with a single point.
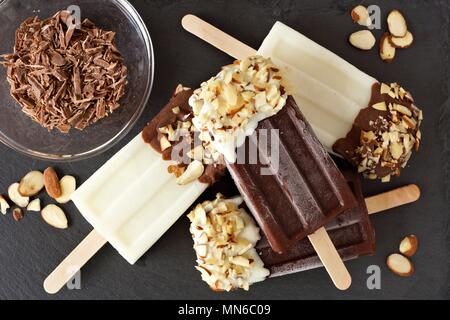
(351, 232)
(302, 189)
(305, 191)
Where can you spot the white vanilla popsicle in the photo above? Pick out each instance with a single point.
(132, 200)
(329, 91)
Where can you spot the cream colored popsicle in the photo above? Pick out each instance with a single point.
(323, 84)
(132, 200)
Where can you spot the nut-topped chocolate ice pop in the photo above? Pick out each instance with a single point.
(302, 189)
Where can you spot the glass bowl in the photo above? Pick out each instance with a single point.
(132, 39)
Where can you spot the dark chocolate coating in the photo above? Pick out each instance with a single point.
(367, 121)
(351, 232)
(306, 192)
(151, 135)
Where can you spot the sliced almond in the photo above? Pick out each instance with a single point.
(409, 245)
(164, 143)
(51, 182)
(17, 214)
(68, 186)
(16, 197)
(387, 50)
(397, 24)
(409, 122)
(363, 40)
(54, 216)
(180, 88)
(230, 94)
(396, 150)
(34, 205)
(31, 184)
(402, 109)
(193, 172)
(203, 238)
(385, 89)
(360, 15)
(4, 205)
(201, 250)
(400, 265)
(380, 106)
(404, 42)
(240, 261)
(176, 110)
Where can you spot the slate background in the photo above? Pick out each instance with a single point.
(29, 250)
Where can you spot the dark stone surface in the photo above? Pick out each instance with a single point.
(29, 250)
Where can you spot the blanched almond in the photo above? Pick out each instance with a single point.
(193, 171)
(164, 143)
(51, 182)
(402, 109)
(400, 265)
(68, 186)
(16, 197)
(363, 39)
(397, 24)
(201, 250)
(396, 150)
(54, 216)
(34, 205)
(409, 245)
(404, 42)
(4, 205)
(31, 184)
(360, 15)
(387, 51)
(380, 106)
(385, 89)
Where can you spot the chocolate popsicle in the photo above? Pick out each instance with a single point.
(307, 192)
(304, 190)
(351, 232)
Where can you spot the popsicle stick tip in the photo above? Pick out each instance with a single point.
(187, 20)
(49, 286)
(415, 191)
(344, 283)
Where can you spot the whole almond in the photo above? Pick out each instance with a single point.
(54, 216)
(51, 182)
(363, 40)
(31, 184)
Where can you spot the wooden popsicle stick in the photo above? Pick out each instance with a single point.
(330, 258)
(73, 262)
(320, 240)
(393, 198)
(216, 37)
